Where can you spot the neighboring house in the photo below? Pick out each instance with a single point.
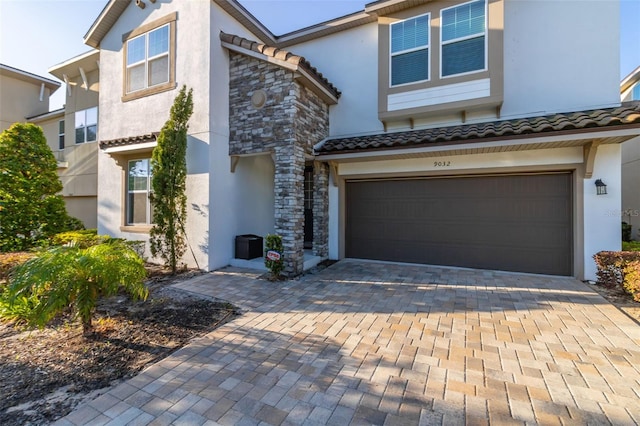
(22, 95)
(72, 133)
(630, 91)
(438, 132)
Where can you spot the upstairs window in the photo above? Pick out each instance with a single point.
(87, 125)
(138, 203)
(61, 134)
(410, 50)
(148, 59)
(464, 38)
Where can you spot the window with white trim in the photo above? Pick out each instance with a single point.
(138, 203)
(61, 134)
(463, 38)
(87, 125)
(410, 50)
(147, 63)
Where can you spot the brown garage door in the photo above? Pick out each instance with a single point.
(513, 223)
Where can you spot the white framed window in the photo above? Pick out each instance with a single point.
(410, 50)
(61, 134)
(138, 202)
(147, 59)
(87, 125)
(463, 38)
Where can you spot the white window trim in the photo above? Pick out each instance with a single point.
(138, 191)
(415, 49)
(148, 59)
(486, 41)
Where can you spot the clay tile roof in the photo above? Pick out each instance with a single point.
(282, 55)
(131, 140)
(626, 114)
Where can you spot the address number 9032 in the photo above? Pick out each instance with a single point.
(442, 164)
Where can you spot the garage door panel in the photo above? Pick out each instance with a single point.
(516, 223)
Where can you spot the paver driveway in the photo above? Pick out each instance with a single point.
(373, 343)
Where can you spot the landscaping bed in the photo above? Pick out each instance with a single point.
(45, 373)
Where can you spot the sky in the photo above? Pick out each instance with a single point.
(38, 34)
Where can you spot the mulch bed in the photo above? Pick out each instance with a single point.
(45, 373)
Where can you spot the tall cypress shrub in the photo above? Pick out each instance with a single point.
(30, 210)
(168, 182)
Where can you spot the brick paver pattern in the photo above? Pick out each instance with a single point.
(374, 343)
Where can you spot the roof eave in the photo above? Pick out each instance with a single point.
(29, 77)
(242, 15)
(104, 22)
(632, 78)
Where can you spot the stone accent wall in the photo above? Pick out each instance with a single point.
(291, 121)
(321, 209)
(257, 130)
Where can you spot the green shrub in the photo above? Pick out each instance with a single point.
(626, 231)
(631, 283)
(83, 238)
(30, 208)
(631, 246)
(619, 268)
(71, 276)
(275, 266)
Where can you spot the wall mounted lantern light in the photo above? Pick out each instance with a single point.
(601, 188)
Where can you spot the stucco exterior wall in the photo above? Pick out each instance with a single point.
(201, 64)
(560, 56)
(631, 185)
(602, 230)
(349, 59)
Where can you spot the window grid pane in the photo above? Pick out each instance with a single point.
(463, 21)
(159, 41)
(410, 34)
(135, 50)
(159, 71)
(410, 67)
(463, 56)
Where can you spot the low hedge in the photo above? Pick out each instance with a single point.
(619, 268)
(631, 246)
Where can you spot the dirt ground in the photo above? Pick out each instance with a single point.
(44, 374)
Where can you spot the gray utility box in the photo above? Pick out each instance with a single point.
(248, 246)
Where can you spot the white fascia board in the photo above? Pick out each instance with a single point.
(133, 147)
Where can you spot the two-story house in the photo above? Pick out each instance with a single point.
(438, 132)
(72, 134)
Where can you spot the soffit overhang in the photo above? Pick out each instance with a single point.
(602, 126)
(130, 144)
(88, 61)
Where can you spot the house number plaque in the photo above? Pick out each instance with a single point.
(442, 164)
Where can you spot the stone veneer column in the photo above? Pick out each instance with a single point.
(320, 209)
(289, 205)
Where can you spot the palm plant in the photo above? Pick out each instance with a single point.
(72, 277)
